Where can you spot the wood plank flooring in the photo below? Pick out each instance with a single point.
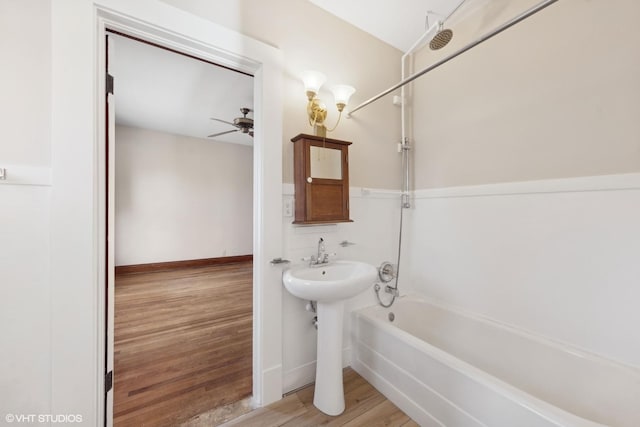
(365, 406)
(183, 343)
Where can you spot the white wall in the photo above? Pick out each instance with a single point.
(24, 82)
(556, 257)
(25, 352)
(181, 198)
(24, 306)
(376, 215)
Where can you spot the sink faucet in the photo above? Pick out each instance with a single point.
(321, 257)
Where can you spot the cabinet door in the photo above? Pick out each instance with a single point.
(326, 200)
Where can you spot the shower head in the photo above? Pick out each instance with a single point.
(441, 39)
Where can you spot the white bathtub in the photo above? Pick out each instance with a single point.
(446, 368)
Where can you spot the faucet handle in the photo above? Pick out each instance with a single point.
(312, 260)
(325, 258)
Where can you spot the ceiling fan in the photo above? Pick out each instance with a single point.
(242, 124)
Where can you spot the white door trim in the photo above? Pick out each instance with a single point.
(78, 138)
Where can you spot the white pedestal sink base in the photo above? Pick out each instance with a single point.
(329, 391)
(329, 284)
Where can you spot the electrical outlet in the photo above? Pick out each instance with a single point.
(287, 208)
(3, 173)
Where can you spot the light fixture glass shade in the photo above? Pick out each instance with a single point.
(313, 80)
(341, 94)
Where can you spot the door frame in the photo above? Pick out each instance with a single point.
(166, 26)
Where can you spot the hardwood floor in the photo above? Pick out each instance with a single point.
(183, 343)
(365, 406)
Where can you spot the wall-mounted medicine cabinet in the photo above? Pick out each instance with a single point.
(321, 179)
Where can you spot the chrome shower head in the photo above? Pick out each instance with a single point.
(441, 39)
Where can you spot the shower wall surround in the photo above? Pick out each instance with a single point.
(554, 257)
(526, 170)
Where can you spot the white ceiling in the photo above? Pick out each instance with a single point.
(168, 92)
(399, 23)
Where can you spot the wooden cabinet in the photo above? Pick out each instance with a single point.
(321, 178)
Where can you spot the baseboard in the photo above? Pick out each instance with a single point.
(171, 265)
(270, 386)
(299, 377)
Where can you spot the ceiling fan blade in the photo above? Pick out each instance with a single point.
(223, 121)
(222, 133)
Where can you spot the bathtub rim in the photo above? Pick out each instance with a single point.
(546, 410)
(560, 345)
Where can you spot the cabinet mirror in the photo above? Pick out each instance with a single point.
(325, 162)
(321, 179)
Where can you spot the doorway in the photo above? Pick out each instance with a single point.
(181, 240)
(79, 122)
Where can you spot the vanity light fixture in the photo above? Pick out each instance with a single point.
(316, 109)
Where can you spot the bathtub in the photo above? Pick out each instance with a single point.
(447, 368)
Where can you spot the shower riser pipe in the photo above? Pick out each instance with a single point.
(403, 124)
(402, 76)
(413, 48)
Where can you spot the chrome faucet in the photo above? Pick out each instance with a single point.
(321, 257)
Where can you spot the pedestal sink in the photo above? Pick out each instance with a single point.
(329, 284)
